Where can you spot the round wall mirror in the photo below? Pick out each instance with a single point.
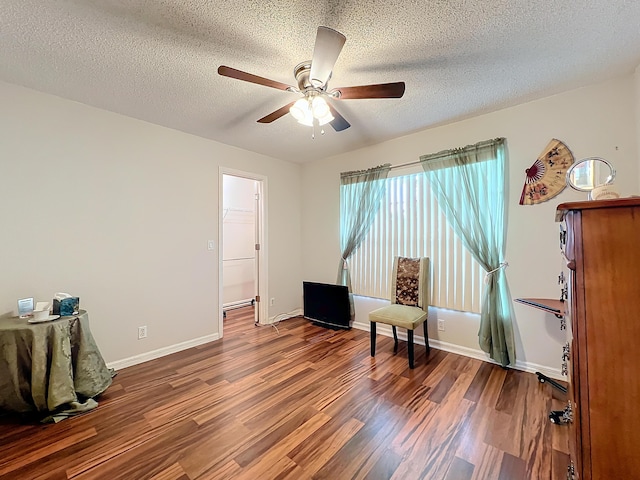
(589, 173)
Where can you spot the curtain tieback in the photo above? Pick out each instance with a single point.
(344, 264)
(488, 274)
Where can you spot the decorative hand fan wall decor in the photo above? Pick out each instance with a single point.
(546, 178)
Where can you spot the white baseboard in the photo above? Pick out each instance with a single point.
(161, 352)
(478, 354)
(381, 329)
(178, 347)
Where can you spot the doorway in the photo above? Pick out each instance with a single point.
(242, 256)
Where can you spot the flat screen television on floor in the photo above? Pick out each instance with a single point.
(327, 305)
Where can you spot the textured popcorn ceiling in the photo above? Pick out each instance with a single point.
(157, 60)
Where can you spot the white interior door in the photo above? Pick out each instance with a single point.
(258, 246)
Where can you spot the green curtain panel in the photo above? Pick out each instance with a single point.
(471, 187)
(360, 195)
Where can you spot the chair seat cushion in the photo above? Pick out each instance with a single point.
(402, 316)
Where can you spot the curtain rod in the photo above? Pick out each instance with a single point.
(444, 153)
(391, 167)
(433, 156)
(408, 164)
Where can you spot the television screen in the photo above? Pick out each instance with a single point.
(327, 304)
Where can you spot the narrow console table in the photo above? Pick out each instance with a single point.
(547, 304)
(49, 366)
(557, 307)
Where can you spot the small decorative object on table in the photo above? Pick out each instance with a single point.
(41, 312)
(25, 307)
(64, 304)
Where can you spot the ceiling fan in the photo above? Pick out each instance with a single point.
(313, 78)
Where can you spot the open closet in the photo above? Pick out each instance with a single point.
(239, 239)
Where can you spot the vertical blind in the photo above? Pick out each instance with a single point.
(410, 224)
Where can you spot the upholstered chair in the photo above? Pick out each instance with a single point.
(409, 303)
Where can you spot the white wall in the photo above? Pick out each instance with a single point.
(598, 120)
(118, 212)
(637, 119)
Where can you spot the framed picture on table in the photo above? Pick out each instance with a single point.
(25, 307)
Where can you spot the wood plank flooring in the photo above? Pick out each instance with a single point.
(300, 402)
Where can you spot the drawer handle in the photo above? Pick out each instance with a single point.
(562, 417)
(563, 236)
(564, 293)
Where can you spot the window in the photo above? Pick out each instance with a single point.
(410, 224)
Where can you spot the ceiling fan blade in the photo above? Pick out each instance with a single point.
(277, 114)
(248, 77)
(380, 90)
(338, 123)
(329, 43)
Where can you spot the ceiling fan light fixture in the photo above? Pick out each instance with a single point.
(301, 112)
(319, 107)
(308, 121)
(310, 108)
(325, 119)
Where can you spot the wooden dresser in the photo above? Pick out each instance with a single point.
(601, 243)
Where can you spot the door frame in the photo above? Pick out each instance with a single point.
(262, 308)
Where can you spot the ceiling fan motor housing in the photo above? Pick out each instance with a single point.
(302, 73)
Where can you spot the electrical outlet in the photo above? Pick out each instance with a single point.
(441, 325)
(272, 301)
(142, 332)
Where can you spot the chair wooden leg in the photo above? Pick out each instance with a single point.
(395, 339)
(410, 347)
(373, 338)
(426, 338)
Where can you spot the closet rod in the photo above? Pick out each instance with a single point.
(231, 209)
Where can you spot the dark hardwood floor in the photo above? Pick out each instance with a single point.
(302, 402)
